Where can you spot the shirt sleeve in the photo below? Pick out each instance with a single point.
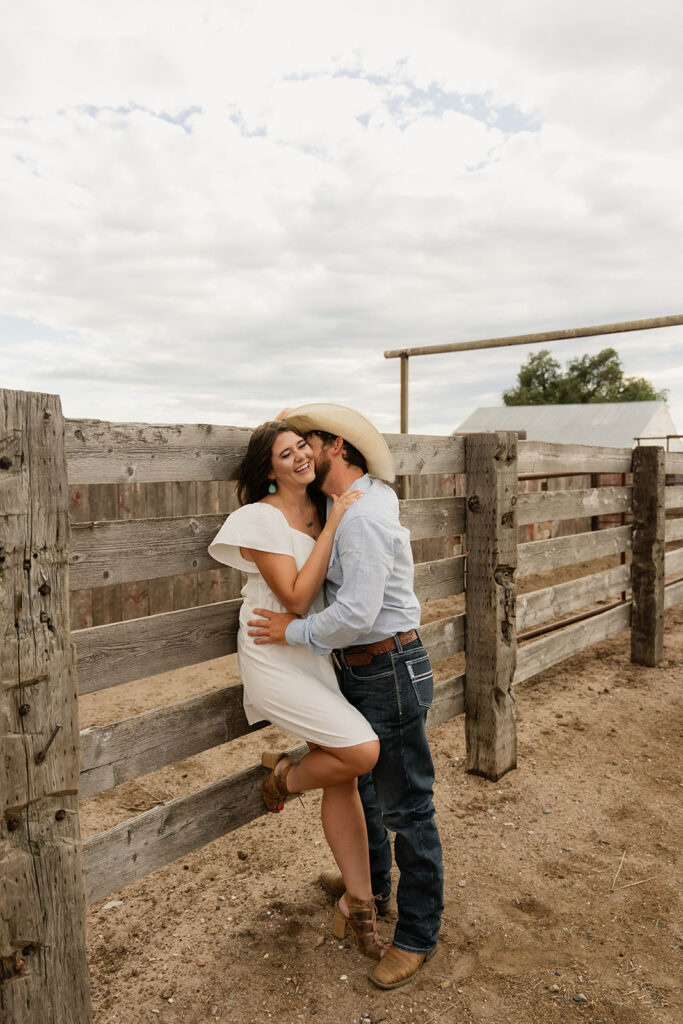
(366, 555)
(258, 526)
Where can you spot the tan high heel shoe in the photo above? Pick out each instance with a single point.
(274, 789)
(363, 924)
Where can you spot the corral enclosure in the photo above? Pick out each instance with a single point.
(45, 463)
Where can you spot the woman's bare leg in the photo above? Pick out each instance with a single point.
(330, 766)
(344, 828)
(336, 771)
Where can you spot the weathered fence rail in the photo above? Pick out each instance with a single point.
(145, 501)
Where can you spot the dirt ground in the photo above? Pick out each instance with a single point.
(562, 893)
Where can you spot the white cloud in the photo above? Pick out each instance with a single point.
(213, 209)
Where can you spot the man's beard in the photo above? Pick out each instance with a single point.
(323, 465)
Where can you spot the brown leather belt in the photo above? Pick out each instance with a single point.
(363, 654)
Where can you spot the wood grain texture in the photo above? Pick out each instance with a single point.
(123, 651)
(112, 754)
(490, 711)
(545, 555)
(123, 453)
(674, 497)
(440, 578)
(541, 506)
(647, 564)
(103, 554)
(674, 529)
(538, 655)
(106, 453)
(420, 453)
(548, 457)
(674, 463)
(673, 562)
(673, 594)
(42, 921)
(433, 517)
(565, 598)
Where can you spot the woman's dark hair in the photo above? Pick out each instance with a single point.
(252, 473)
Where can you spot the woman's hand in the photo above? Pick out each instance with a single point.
(341, 502)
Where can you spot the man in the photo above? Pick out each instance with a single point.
(370, 626)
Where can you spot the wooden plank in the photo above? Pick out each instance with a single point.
(104, 554)
(673, 562)
(423, 453)
(544, 555)
(674, 529)
(441, 578)
(185, 503)
(433, 517)
(647, 563)
(106, 601)
(80, 601)
(444, 637)
(135, 592)
(119, 453)
(565, 598)
(673, 594)
(123, 651)
(449, 701)
(160, 506)
(674, 497)
(43, 967)
(542, 506)
(208, 580)
(549, 650)
(101, 452)
(548, 457)
(674, 463)
(111, 754)
(135, 848)
(490, 711)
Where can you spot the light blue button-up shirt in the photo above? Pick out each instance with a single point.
(369, 587)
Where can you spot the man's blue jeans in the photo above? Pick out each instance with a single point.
(394, 693)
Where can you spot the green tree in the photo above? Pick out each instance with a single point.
(598, 378)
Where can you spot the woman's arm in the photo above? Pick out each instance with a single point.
(298, 590)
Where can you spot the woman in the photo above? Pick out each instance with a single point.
(276, 538)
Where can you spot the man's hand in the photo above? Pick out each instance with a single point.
(270, 629)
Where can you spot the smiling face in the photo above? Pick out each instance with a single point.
(292, 461)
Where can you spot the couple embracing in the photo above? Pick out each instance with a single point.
(346, 672)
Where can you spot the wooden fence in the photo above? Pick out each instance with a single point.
(49, 874)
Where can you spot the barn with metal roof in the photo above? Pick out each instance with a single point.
(613, 424)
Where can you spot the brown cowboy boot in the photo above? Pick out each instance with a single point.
(397, 967)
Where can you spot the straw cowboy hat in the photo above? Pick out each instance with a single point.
(352, 426)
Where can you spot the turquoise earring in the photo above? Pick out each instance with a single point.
(272, 489)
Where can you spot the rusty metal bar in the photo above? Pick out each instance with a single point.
(543, 336)
(541, 630)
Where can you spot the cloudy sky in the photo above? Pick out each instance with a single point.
(212, 209)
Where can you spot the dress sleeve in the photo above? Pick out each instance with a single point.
(257, 526)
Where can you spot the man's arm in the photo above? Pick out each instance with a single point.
(366, 555)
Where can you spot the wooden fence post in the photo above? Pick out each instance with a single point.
(647, 569)
(491, 647)
(43, 968)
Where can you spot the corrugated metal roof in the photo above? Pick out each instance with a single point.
(614, 424)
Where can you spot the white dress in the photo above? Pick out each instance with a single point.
(288, 686)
